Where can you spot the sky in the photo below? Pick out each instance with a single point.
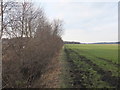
(84, 20)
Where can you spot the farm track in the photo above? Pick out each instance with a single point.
(106, 76)
(72, 72)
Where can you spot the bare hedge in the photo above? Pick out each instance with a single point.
(25, 57)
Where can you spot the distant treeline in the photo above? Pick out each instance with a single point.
(67, 42)
(73, 42)
(106, 43)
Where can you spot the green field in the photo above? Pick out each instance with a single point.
(92, 65)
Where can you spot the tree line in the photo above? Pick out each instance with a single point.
(22, 19)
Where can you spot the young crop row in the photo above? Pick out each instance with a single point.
(108, 52)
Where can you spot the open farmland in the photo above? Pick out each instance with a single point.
(92, 65)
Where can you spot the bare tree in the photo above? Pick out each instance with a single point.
(57, 26)
(23, 20)
(5, 9)
(1, 14)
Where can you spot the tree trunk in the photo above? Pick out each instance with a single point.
(1, 31)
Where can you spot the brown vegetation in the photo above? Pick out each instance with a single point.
(33, 43)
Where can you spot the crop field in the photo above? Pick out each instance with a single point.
(93, 65)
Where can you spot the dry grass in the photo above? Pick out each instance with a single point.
(50, 79)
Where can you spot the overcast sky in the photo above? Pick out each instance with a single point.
(85, 21)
